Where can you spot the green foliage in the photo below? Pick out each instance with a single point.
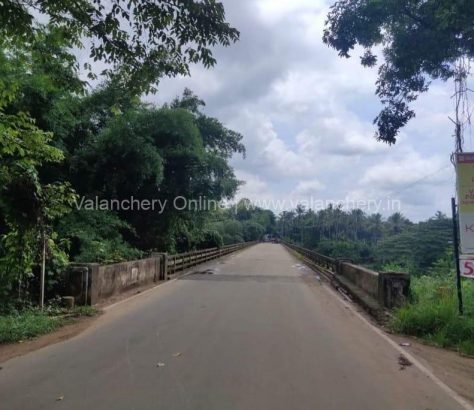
(231, 231)
(242, 222)
(29, 206)
(157, 154)
(396, 244)
(29, 323)
(115, 148)
(444, 265)
(353, 250)
(139, 40)
(419, 246)
(433, 313)
(121, 159)
(26, 325)
(420, 41)
(96, 236)
(392, 267)
(252, 231)
(369, 239)
(209, 239)
(215, 136)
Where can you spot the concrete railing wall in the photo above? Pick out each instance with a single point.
(92, 283)
(387, 289)
(365, 279)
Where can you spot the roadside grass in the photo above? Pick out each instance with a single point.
(29, 323)
(432, 313)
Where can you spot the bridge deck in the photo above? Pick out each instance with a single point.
(254, 330)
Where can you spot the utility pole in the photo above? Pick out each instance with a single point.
(43, 268)
(456, 256)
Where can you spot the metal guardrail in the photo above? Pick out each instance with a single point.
(182, 261)
(321, 260)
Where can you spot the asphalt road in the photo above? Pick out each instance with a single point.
(259, 332)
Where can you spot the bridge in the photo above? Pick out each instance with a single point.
(255, 329)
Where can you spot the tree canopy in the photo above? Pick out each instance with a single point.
(138, 40)
(420, 41)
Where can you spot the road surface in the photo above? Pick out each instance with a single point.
(256, 331)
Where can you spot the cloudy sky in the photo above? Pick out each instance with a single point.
(306, 116)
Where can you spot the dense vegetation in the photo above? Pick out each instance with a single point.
(432, 314)
(242, 222)
(369, 239)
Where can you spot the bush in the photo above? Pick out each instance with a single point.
(209, 239)
(252, 231)
(26, 325)
(357, 251)
(29, 323)
(432, 313)
(96, 236)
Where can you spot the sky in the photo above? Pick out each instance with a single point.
(306, 116)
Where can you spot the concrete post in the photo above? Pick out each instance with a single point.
(93, 284)
(82, 283)
(164, 266)
(394, 288)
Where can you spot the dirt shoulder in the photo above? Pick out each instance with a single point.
(449, 366)
(77, 325)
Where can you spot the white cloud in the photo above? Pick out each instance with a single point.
(268, 154)
(253, 188)
(393, 174)
(271, 11)
(307, 188)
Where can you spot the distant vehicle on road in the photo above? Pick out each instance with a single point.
(271, 238)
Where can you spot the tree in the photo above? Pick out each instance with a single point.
(215, 136)
(397, 223)
(209, 239)
(96, 236)
(232, 232)
(252, 231)
(418, 246)
(243, 209)
(157, 154)
(420, 40)
(138, 40)
(29, 206)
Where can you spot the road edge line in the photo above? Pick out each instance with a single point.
(113, 305)
(448, 390)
